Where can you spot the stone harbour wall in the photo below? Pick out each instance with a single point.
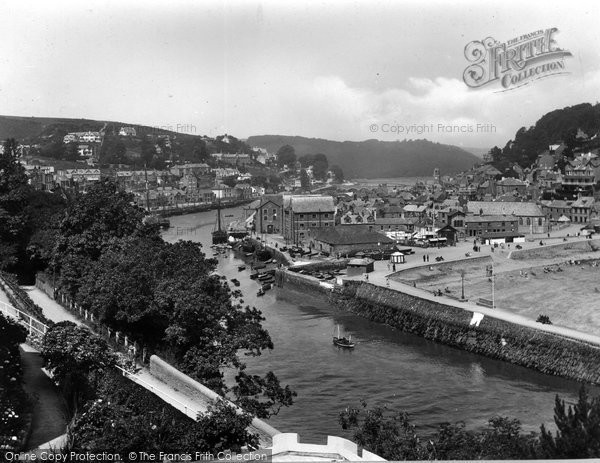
(545, 352)
(566, 250)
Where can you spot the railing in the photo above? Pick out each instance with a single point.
(35, 327)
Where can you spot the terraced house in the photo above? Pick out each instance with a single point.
(531, 218)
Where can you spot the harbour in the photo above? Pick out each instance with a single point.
(434, 383)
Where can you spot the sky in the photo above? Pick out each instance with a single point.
(351, 70)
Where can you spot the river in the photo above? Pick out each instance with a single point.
(432, 382)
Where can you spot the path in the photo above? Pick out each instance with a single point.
(49, 412)
(52, 309)
(179, 400)
(380, 279)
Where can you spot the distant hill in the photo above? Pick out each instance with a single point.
(479, 152)
(374, 158)
(32, 129)
(44, 137)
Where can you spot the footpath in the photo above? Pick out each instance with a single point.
(49, 419)
(380, 278)
(190, 406)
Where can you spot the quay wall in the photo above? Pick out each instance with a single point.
(338, 264)
(170, 211)
(498, 339)
(566, 249)
(276, 253)
(284, 278)
(494, 338)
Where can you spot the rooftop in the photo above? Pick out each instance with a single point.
(304, 204)
(525, 209)
(350, 235)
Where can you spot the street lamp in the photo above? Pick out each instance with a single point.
(462, 281)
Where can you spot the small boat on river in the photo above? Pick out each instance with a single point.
(343, 342)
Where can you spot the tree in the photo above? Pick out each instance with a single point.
(73, 354)
(338, 174)
(391, 436)
(286, 155)
(304, 180)
(124, 417)
(165, 296)
(578, 429)
(91, 221)
(14, 194)
(71, 152)
(495, 155)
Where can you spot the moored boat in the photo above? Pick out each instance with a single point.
(343, 342)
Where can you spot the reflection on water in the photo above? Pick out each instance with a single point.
(432, 382)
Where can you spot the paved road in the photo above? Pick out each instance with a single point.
(52, 309)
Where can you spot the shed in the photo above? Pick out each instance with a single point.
(397, 258)
(359, 267)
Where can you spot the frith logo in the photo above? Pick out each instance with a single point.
(515, 63)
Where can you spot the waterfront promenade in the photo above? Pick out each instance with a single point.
(380, 277)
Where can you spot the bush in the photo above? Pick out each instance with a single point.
(14, 402)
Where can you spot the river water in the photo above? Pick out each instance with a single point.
(432, 382)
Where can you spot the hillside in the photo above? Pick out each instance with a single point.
(374, 158)
(560, 125)
(43, 137)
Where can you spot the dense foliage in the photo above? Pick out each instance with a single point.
(162, 295)
(14, 403)
(75, 356)
(557, 126)
(27, 217)
(125, 417)
(393, 437)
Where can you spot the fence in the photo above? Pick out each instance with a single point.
(35, 328)
(120, 342)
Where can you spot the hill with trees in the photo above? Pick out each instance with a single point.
(150, 146)
(560, 125)
(374, 158)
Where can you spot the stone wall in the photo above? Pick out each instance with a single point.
(493, 338)
(338, 264)
(566, 249)
(299, 281)
(193, 389)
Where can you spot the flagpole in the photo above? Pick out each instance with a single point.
(493, 282)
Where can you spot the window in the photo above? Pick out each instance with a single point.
(540, 221)
(326, 215)
(314, 224)
(528, 221)
(520, 220)
(301, 225)
(327, 224)
(314, 216)
(301, 216)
